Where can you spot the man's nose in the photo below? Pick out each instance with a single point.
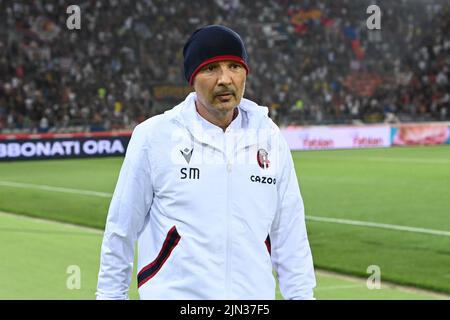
(224, 75)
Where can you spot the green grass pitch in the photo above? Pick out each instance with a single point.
(398, 186)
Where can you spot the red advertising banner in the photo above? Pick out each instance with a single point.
(421, 134)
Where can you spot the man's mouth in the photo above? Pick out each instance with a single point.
(225, 94)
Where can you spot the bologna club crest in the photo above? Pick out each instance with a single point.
(263, 159)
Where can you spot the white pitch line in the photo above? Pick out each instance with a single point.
(384, 284)
(386, 159)
(52, 222)
(312, 218)
(380, 225)
(54, 189)
(340, 287)
(408, 160)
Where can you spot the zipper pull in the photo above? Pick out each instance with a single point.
(229, 166)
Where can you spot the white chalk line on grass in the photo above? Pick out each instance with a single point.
(54, 189)
(385, 159)
(308, 217)
(357, 282)
(380, 225)
(341, 287)
(360, 282)
(51, 222)
(408, 160)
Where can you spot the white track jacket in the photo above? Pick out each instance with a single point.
(213, 212)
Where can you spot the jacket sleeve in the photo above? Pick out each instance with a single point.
(291, 253)
(130, 204)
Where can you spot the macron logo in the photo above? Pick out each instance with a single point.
(187, 154)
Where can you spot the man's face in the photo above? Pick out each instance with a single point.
(220, 86)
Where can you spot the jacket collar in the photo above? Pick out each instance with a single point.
(254, 123)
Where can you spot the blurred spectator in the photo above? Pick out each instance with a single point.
(315, 55)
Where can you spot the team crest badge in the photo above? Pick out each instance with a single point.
(263, 159)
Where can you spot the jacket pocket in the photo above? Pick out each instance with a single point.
(150, 270)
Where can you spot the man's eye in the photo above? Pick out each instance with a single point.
(209, 68)
(235, 66)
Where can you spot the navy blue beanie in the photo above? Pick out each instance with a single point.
(210, 44)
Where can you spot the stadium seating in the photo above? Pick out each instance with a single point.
(125, 64)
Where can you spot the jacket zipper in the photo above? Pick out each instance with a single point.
(229, 155)
(229, 237)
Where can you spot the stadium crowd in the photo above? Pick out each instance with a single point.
(312, 61)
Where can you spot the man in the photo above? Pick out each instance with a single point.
(209, 191)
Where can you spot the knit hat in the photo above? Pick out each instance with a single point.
(210, 44)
